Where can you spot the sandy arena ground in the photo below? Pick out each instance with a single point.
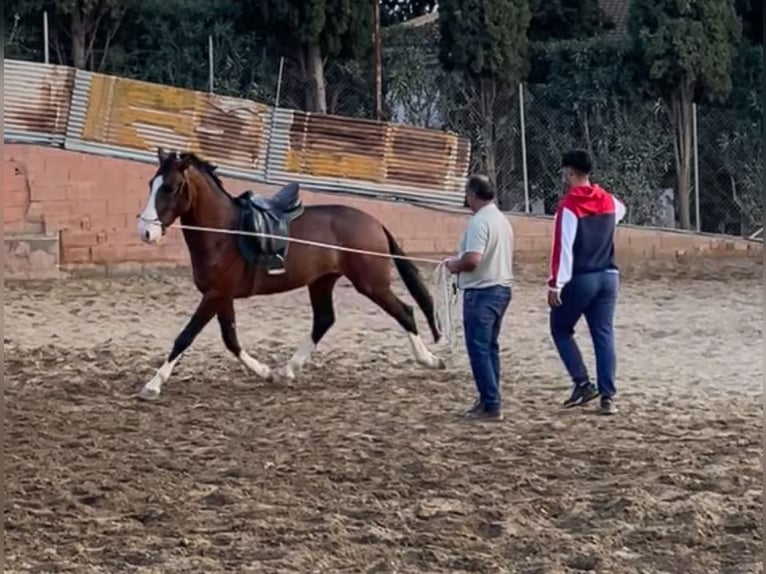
(361, 464)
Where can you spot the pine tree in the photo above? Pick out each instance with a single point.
(483, 44)
(687, 49)
(311, 31)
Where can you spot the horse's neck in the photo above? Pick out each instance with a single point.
(211, 209)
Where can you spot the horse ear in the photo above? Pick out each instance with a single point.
(162, 155)
(184, 163)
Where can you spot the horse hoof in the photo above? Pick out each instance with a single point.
(289, 373)
(148, 394)
(440, 364)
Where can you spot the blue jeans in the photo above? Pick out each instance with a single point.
(483, 312)
(595, 296)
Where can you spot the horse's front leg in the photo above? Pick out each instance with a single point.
(205, 311)
(229, 334)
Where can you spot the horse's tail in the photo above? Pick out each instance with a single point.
(414, 283)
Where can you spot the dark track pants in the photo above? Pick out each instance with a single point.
(595, 296)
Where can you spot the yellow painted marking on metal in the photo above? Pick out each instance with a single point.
(337, 165)
(140, 106)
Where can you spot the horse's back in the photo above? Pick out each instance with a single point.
(342, 212)
(340, 224)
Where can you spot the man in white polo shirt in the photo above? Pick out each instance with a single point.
(484, 274)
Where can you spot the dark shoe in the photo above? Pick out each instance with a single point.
(480, 412)
(581, 394)
(475, 410)
(607, 406)
(495, 415)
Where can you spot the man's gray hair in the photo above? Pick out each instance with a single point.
(481, 186)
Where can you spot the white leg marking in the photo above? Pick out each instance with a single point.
(254, 365)
(149, 230)
(151, 390)
(299, 358)
(422, 354)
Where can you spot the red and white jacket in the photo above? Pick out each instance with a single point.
(583, 236)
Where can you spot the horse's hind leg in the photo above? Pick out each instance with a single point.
(227, 322)
(320, 292)
(405, 316)
(205, 311)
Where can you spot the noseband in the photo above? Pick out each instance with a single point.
(152, 221)
(156, 221)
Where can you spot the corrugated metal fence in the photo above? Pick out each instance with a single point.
(107, 115)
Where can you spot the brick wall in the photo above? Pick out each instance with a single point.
(93, 202)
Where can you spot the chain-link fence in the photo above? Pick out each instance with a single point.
(517, 135)
(730, 153)
(630, 141)
(217, 59)
(632, 145)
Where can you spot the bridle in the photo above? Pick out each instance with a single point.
(156, 220)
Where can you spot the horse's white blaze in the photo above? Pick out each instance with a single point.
(149, 228)
(422, 354)
(254, 365)
(299, 358)
(154, 387)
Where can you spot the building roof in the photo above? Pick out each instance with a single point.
(615, 10)
(419, 21)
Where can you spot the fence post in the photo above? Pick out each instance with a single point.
(378, 62)
(697, 222)
(523, 148)
(211, 69)
(46, 40)
(272, 127)
(279, 81)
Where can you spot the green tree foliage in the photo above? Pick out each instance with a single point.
(483, 45)
(687, 49)
(566, 20)
(22, 32)
(459, 73)
(484, 38)
(731, 151)
(413, 80)
(174, 35)
(750, 13)
(312, 31)
(583, 95)
(81, 31)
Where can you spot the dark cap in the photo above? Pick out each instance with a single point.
(578, 160)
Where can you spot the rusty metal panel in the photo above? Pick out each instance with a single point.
(369, 158)
(36, 101)
(132, 118)
(336, 147)
(129, 119)
(420, 158)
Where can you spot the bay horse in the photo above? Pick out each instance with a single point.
(227, 267)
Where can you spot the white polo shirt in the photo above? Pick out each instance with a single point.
(490, 233)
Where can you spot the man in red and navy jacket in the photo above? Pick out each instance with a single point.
(584, 279)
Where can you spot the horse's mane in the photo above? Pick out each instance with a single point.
(205, 167)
